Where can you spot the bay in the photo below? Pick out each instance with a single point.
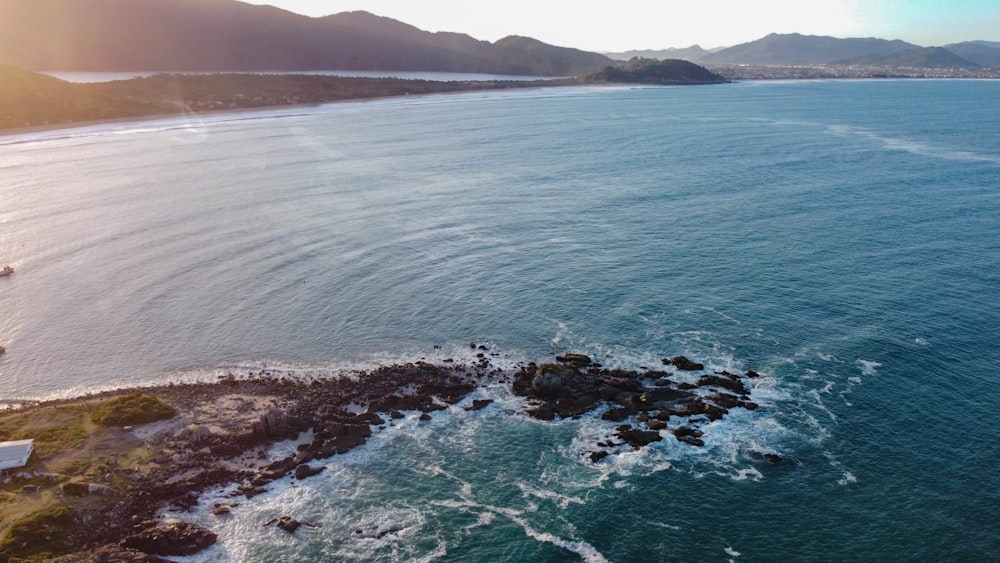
(839, 237)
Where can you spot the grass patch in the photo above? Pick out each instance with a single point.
(76, 466)
(41, 535)
(57, 439)
(132, 409)
(54, 429)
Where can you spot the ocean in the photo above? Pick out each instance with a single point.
(842, 238)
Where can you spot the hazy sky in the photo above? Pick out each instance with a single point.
(655, 24)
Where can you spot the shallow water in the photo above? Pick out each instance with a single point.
(841, 238)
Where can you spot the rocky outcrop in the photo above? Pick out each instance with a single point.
(118, 554)
(177, 538)
(575, 385)
(343, 413)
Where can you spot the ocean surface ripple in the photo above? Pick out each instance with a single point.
(840, 238)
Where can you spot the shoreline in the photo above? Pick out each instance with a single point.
(204, 94)
(222, 433)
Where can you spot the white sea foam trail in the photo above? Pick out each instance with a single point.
(586, 551)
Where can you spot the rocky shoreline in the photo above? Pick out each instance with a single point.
(224, 432)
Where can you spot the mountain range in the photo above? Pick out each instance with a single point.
(792, 49)
(228, 35)
(204, 35)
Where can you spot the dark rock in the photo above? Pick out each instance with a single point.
(543, 412)
(250, 491)
(713, 412)
(639, 438)
(685, 431)
(119, 554)
(723, 382)
(177, 538)
(725, 400)
(617, 415)
(656, 424)
(226, 449)
(752, 374)
(288, 524)
(575, 360)
(396, 415)
(479, 404)
(282, 466)
(630, 401)
(425, 417)
(660, 394)
(598, 456)
(548, 380)
(305, 470)
(691, 440)
(682, 363)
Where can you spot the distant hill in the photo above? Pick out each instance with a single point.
(28, 98)
(693, 53)
(925, 57)
(178, 35)
(983, 53)
(25, 95)
(652, 71)
(527, 56)
(796, 49)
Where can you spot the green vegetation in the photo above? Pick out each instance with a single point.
(54, 430)
(41, 535)
(652, 71)
(53, 440)
(27, 98)
(132, 409)
(76, 466)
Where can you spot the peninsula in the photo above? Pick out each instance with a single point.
(31, 99)
(105, 466)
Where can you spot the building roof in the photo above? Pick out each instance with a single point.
(14, 450)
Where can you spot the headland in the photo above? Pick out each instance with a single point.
(107, 466)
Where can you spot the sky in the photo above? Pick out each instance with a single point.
(658, 24)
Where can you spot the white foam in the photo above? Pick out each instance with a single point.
(561, 500)
(869, 367)
(563, 330)
(914, 147)
(847, 479)
(586, 551)
(731, 552)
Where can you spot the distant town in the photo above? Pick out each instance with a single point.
(818, 71)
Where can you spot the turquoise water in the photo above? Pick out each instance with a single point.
(841, 238)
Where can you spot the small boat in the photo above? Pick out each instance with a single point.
(6, 271)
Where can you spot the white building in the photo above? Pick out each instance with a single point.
(15, 454)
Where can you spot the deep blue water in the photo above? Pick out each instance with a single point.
(842, 238)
